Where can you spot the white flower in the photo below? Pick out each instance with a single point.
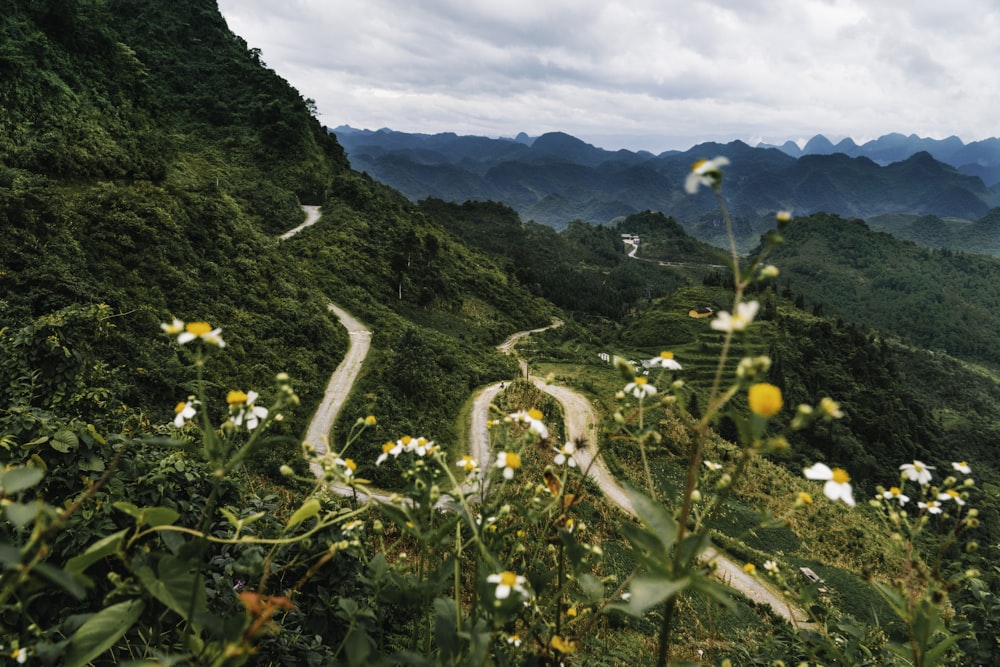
(509, 461)
(895, 493)
(771, 567)
(745, 312)
(665, 360)
(533, 418)
(348, 465)
(185, 411)
(917, 472)
(173, 328)
(193, 330)
(962, 467)
(393, 448)
(420, 446)
(705, 172)
(467, 463)
(640, 388)
(20, 655)
(951, 494)
(838, 482)
(712, 466)
(243, 410)
(932, 506)
(507, 582)
(565, 455)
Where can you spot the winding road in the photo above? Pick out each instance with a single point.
(581, 425)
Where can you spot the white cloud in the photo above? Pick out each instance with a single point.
(660, 70)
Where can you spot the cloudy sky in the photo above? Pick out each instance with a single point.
(639, 74)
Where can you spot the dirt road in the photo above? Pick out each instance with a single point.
(312, 217)
(581, 425)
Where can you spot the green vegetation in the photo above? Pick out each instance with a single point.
(149, 162)
(938, 300)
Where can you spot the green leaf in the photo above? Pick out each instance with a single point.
(101, 631)
(649, 591)
(592, 587)
(65, 441)
(159, 516)
(95, 552)
(309, 509)
(92, 463)
(61, 578)
(21, 514)
(16, 480)
(654, 517)
(935, 656)
(446, 636)
(128, 508)
(176, 585)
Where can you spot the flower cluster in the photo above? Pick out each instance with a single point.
(933, 500)
(420, 446)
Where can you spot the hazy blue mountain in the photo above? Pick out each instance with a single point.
(978, 158)
(557, 178)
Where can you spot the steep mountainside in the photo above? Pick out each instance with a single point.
(149, 161)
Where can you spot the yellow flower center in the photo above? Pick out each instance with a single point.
(370, 420)
(513, 460)
(405, 440)
(697, 165)
(508, 579)
(666, 355)
(749, 568)
(641, 381)
(805, 498)
(180, 407)
(236, 397)
(840, 476)
(198, 328)
(350, 464)
(962, 464)
(764, 399)
(895, 491)
(952, 492)
(388, 447)
(535, 413)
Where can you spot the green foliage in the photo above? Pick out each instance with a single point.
(582, 269)
(937, 300)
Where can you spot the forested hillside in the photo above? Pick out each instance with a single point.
(936, 299)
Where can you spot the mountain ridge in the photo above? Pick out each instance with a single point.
(557, 178)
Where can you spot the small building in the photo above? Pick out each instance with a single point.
(701, 312)
(813, 578)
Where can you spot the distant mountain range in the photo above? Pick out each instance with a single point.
(979, 158)
(556, 178)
